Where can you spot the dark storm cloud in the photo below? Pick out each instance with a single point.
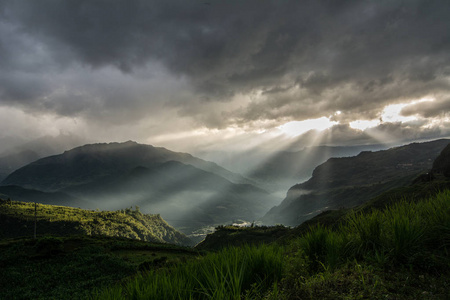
(303, 59)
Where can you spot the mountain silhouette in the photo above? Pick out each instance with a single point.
(350, 181)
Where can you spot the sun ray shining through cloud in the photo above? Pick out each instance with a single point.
(229, 87)
(392, 113)
(296, 128)
(364, 124)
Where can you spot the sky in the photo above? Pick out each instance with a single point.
(212, 75)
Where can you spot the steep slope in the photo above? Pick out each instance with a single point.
(347, 182)
(17, 219)
(189, 192)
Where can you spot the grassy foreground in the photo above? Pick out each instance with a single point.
(71, 267)
(398, 253)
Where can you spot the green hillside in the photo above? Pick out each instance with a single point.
(401, 252)
(17, 219)
(398, 251)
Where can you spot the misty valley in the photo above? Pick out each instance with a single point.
(91, 202)
(195, 195)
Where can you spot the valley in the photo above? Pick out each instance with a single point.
(349, 228)
(189, 192)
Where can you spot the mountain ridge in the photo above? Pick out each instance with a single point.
(351, 181)
(187, 191)
(112, 158)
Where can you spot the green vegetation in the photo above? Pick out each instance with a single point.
(395, 246)
(227, 236)
(71, 267)
(401, 252)
(17, 219)
(224, 275)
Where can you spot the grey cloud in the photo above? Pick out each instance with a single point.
(386, 133)
(308, 58)
(428, 109)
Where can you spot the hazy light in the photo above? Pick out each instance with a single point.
(436, 122)
(364, 124)
(392, 113)
(296, 128)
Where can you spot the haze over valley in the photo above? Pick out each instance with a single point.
(195, 195)
(251, 149)
(220, 112)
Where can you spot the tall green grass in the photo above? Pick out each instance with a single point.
(367, 232)
(323, 247)
(411, 234)
(228, 274)
(399, 234)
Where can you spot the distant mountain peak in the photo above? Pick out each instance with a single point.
(100, 160)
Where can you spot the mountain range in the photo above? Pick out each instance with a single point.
(351, 181)
(191, 193)
(188, 192)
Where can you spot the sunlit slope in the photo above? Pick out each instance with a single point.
(347, 182)
(17, 219)
(189, 193)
